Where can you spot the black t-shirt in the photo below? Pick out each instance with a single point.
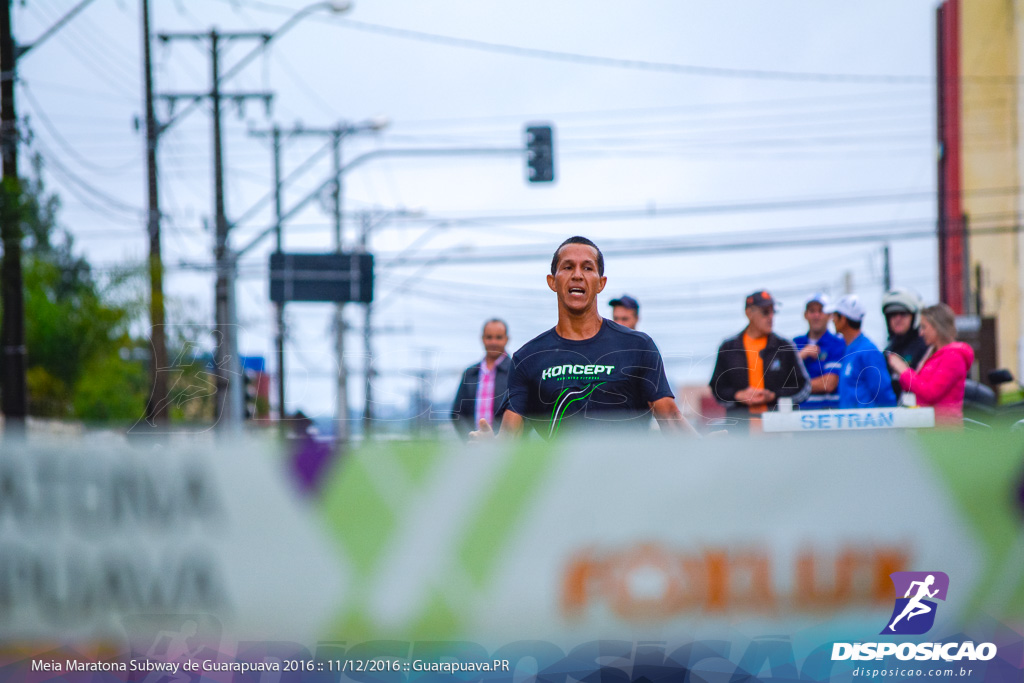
(611, 377)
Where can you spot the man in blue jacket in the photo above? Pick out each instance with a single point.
(822, 353)
(864, 375)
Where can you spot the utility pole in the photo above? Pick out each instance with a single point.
(13, 354)
(336, 135)
(369, 221)
(339, 311)
(279, 333)
(364, 236)
(156, 409)
(886, 271)
(12, 327)
(279, 308)
(226, 360)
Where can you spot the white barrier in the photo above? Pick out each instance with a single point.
(846, 420)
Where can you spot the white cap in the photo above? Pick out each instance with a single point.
(817, 298)
(849, 307)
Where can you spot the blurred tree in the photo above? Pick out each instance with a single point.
(82, 359)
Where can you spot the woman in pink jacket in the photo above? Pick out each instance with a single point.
(939, 380)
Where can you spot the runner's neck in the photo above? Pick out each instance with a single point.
(579, 327)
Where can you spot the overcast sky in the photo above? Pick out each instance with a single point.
(681, 127)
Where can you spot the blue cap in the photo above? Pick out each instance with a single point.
(626, 301)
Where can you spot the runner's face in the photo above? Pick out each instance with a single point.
(817, 319)
(576, 281)
(625, 316)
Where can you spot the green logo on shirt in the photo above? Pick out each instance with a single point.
(576, 370)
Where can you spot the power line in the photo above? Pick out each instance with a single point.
(88, 55)
(40, 112)
(82, 92)
(69, 176)
(665, 67)
(654, 211)
(595, 60)
(799, 105)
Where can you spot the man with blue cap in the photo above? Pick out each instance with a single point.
(625, 311)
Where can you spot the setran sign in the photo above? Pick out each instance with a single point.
(338, 277)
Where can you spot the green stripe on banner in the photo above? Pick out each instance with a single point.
(416, 458)
(438, 621)
(353, 627)
(983, 471)
(525, 469)
(358, 516)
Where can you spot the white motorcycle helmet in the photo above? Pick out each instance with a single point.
(905, 301)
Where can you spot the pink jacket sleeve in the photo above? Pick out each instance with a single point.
(932, 383)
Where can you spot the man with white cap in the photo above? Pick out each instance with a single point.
(864, 375)
(822, 353)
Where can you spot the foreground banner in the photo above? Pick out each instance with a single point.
(828, 557)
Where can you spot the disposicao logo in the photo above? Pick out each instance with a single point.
(913, 615)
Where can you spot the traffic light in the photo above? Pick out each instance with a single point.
(540, 154)
(250, 390)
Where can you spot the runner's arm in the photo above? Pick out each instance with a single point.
(669, 418)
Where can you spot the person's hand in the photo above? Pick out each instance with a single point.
(809, 351)
(897, 364)
(767, 396)
(751, 396)
(483, 433)
(743, 395)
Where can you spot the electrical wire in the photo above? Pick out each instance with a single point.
(618, 63)
(73, 180)
(88, 55)
(713, 110)
(40, 112)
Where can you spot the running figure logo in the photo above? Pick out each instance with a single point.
(916, 588)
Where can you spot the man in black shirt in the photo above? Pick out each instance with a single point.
(902, 311)
(585, 368)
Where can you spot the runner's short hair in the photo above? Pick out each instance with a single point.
(578, 240)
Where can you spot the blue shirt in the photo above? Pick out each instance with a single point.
(864, 377)
(830, 357)
(610, 378)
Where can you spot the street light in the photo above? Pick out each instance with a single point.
(334, 7)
